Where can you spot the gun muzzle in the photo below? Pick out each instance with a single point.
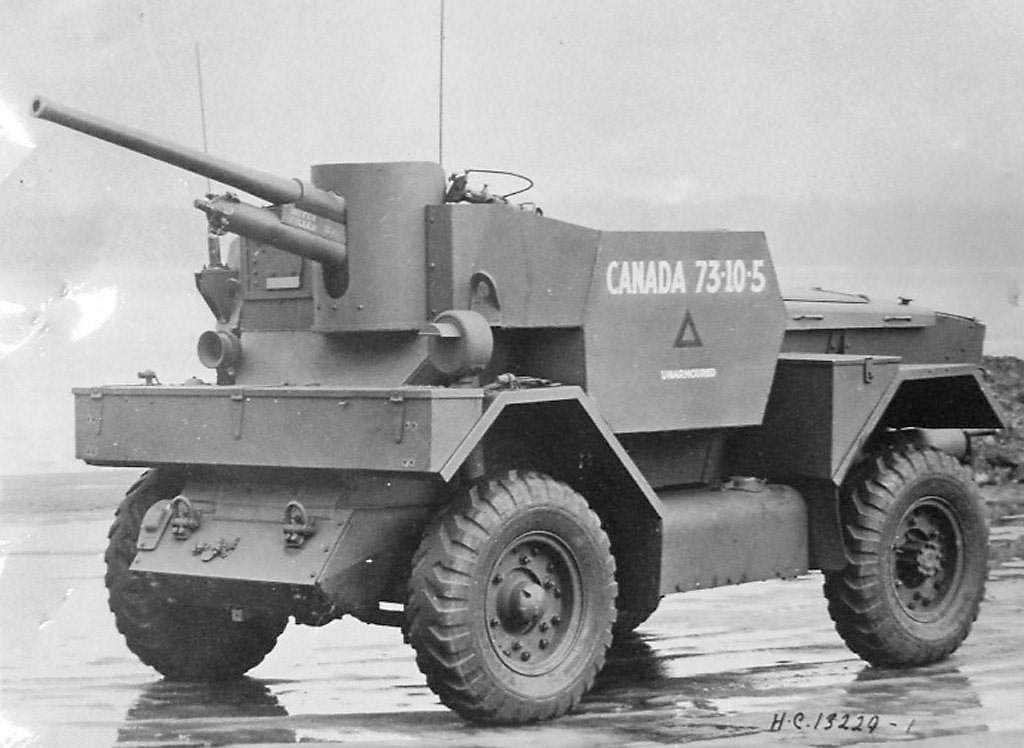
(269, 187)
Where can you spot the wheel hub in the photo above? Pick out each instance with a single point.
(926, 558)
(532, 602)
(521, 603)
(929, 560)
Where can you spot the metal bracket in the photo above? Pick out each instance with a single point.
(209, 551)
(298, 526)
(399, 400)
(868, 370)
(237, 413)
(154, 522)
(149, 376)
(96, 411)
(836, 342)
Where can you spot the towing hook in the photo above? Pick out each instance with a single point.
(185, 518)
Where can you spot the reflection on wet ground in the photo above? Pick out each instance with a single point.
(205, 714)
(748, 666)
(637, 701)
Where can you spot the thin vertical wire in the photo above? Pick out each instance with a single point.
(440, 94)
(202, 109)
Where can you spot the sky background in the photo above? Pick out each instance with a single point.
(878, 144)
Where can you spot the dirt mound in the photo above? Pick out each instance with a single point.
(999, 459)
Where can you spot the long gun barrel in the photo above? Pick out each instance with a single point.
(269, 187)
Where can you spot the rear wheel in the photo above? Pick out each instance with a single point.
(512, 600)
(181, 641)
(915, 528)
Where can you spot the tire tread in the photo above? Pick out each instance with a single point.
(855, 597)
(439, 609)
(180, 641)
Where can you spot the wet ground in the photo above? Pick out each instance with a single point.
(746, 666)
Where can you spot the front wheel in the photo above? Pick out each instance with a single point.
(916, 532)
(181, 641)
(512, 600)
(628, 620)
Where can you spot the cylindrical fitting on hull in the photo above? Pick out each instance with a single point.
(461, 342)
(952, 441)
(218, 349)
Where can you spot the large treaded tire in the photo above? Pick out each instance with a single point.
(181, 641)
(627, 621)
(916, 532)
(512, 600)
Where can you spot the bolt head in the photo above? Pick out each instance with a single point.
(497, 578)
(524, 559)
(543, 644)
(557, 592)
(494, 622)
(543, 626)
(525, 656)
(555, 620)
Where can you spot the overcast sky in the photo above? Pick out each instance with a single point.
(686, 101)
(879, 141)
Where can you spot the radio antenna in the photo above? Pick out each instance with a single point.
(202, 109)
(212, 238)
(440, 93)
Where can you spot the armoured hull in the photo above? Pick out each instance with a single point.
(512, 435)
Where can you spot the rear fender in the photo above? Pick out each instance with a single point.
(828, 412)
(929, 406)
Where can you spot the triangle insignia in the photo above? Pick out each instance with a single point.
(688, 336)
